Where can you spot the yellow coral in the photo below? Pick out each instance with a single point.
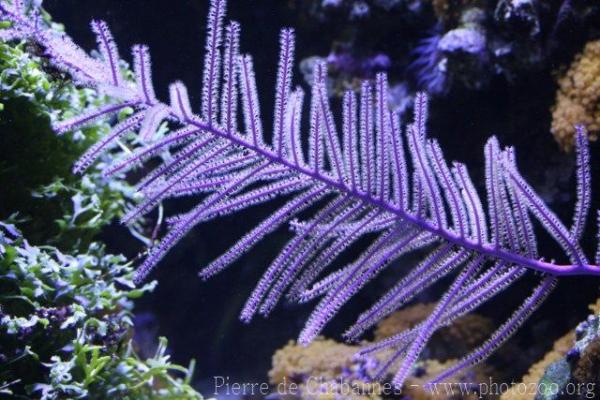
(324, 361)
(316, 369)
(322, 358)
(578, 97)
(595, 308)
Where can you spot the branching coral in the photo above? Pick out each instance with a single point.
(578, 98)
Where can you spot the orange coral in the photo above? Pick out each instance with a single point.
(578, 97)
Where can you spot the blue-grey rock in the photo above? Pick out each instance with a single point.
(554, 381)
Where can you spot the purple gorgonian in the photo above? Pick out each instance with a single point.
(361, 178)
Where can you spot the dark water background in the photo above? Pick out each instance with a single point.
(201, 319)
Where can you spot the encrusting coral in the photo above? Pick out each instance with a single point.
(324, 357)
(449, 11)
(324, 366)
(579, 348)
(460, 387)
(595, 308)
(326, 369)
(319, 370)
(452, 341)
(578, 97)
(536, 371)
(587, 369)
(403, 319)
(466, 333)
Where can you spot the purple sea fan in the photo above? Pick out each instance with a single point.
(364, 179)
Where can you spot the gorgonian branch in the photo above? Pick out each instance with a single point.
(367, 182)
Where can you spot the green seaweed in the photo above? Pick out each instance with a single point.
(66, 328)
(66, 322)
(35, 174)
